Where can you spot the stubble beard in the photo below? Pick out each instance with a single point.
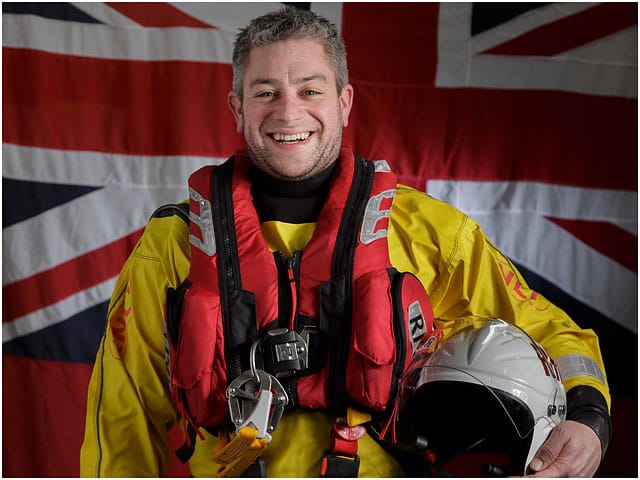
(321, 157)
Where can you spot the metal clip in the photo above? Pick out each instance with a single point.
(256, 399)
(286, 352)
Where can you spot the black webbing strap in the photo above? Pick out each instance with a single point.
(334, 466)
(258, 469)
(185, 452)
(228, 261)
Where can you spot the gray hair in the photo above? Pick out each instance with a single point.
(289, 22)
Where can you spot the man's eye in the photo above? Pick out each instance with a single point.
(266, 94)
(311, 93)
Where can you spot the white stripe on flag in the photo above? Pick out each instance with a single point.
(619, 207)
(459, 66)
(58, 312)
(105, 14)
(71, 167)
(125, 43)
(78, 227)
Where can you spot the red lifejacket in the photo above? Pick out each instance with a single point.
(363, 319)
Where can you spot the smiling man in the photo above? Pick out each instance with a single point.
(275, 314)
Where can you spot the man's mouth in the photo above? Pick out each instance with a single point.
(290, 138)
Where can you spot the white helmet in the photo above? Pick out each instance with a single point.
(488, 388)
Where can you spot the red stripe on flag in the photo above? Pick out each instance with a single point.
(160, 14)
(498, 135)
(43, 416)
(606, 238)
(391, 42)
(571, 32)
(117, 106)
(57, 283)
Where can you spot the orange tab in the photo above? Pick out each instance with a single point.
(223, 441)
(238, 455)
(356, 417)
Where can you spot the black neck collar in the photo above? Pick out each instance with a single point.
(291, 202)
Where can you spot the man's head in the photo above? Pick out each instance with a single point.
(291, 97)
(289, 23)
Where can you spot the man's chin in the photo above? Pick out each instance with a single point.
(284, 169)
(291, 165)
(290, 175)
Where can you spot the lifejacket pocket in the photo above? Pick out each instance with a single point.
(371, 358)
(392, 314)
(198, 375)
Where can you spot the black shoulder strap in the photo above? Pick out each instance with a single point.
(238, 305)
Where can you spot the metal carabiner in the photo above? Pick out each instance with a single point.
(258, 403)
(252, 363)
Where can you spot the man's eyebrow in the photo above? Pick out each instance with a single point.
(317, 76)
(262, 81)
(297, 81)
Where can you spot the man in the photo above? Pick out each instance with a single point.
(291, 100)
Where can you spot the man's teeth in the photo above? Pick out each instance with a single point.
(296, 137)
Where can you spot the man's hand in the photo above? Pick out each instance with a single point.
(571, 450)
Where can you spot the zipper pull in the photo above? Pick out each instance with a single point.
(291, 265)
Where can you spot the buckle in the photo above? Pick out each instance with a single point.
(286, 352)
(334, 466)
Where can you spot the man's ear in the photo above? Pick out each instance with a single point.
(346, 101)
(235, 105)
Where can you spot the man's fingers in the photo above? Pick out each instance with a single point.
(549, 450)
(572, 450)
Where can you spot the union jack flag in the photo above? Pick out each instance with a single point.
(522, 115)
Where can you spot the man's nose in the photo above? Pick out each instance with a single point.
(288, 107)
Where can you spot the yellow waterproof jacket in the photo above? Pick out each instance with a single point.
(129, 403)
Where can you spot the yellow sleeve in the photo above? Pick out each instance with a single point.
(465, 275)
(129, 405)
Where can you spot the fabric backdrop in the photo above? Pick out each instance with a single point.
(522, 115)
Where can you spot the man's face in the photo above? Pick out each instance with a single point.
(291, 115)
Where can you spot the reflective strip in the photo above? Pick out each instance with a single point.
(373, 214)
(381, 166)
(579, 365)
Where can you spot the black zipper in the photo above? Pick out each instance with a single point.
(289, 289)
(352, 218)
(400, 332)
(342, 269)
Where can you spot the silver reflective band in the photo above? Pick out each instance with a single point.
(381, 166)
(579, 365)
(205, 221)
(373, 214)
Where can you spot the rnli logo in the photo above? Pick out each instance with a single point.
(520, 292)
(118, 334)
(548, 364)
(417, 325)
